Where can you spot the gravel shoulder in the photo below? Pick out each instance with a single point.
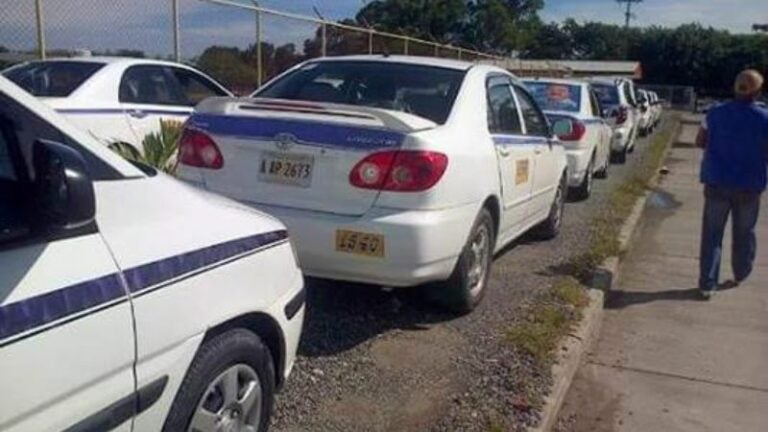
(371, 360)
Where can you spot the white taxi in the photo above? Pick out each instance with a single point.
(116, 98)
(588, 145)
(130, 300)
(388, 170)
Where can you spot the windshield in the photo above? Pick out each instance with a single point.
(607, 94)
(52, 79)
(425, 91)
(556, 96)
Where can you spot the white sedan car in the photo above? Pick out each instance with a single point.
(588, 144)
(130, 301)
(388, 170)
(116, 98)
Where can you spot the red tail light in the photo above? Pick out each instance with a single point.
(621, 115)
(197, 149)
(579, 129)
(399, 171)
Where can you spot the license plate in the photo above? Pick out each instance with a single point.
(288, 169)
(360, 243)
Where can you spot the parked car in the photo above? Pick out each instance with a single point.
(130, 300)
(115, 98)
(618, 100)
(388, 170)
(656, 109)
(646, 112)
(588, 145)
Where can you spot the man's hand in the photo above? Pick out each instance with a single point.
(702, 138)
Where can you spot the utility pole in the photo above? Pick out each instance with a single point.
(628, 15)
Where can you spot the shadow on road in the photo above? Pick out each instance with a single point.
(623, 299)
(341, 315)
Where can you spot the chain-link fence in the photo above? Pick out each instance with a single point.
(238, 42)
(677, 97)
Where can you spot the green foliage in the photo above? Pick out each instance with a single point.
(539, 335)
(158, 148)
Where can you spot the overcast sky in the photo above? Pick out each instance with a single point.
(145, 24)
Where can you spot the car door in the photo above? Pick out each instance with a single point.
(149, 93)
(66, 331)
(547, 163)
(515, 155)
(604, 131)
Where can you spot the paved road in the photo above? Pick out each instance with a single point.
(666, 361)
(374, 361)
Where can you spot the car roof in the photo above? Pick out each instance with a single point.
(126, 61)
(567, 81)
(403, 59)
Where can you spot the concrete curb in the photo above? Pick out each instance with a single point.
(606, 276)
(569, 358)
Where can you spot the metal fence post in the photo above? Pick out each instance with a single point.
(370, 42)
(176, 38)
(324, 46)
(259, 64)
(405, 46)
(40, 29)
(459, 52)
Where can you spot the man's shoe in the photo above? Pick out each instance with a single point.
(707, 294)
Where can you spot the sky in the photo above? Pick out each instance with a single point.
(146, 24)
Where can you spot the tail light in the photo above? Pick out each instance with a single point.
(197, 149)
(399, 171)
(577, 133)
(621, 115)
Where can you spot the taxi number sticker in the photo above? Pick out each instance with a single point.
(522, 171)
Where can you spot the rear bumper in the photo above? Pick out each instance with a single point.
(420, 246)
(578, 161)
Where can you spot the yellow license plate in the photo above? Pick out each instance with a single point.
(360, 243)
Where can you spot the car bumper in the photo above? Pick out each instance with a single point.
(289, 312)
(578, 162)
(622, 137)
(419, 245)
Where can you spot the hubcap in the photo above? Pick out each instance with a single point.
(558, 206)
(590, 170)
(231, 403)
(479, 255)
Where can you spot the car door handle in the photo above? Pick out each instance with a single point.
(139, 114)
(503, 152)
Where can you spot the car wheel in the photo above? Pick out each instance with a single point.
(584, 190)
(230, 386)
(619, 157)
(550, 228)
(464, 290)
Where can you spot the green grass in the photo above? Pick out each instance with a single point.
(539, 335)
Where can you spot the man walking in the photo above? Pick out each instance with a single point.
(734, 137)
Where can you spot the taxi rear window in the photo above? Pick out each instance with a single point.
(52, 78)
(425, 91)
(607, 94)
(555, 96)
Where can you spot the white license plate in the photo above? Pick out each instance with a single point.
(285, 168)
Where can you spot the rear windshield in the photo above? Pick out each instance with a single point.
(52, 79)
(425, 91)
(607, 94)
(555, 96)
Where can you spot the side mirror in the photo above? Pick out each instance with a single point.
(562, 127)
(63, 191)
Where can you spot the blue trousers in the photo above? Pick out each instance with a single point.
(719, 203)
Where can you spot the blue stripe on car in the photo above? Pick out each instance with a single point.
(35, 312)
(120, 111)
(507, 139)
(303, 131)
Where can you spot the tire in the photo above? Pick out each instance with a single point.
(584, 190)
(464, 290)
(239, 353)
(550, 228)
(619, 157)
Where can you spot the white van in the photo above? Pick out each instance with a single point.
(129, 300)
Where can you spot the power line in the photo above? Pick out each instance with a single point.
(628, 15)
